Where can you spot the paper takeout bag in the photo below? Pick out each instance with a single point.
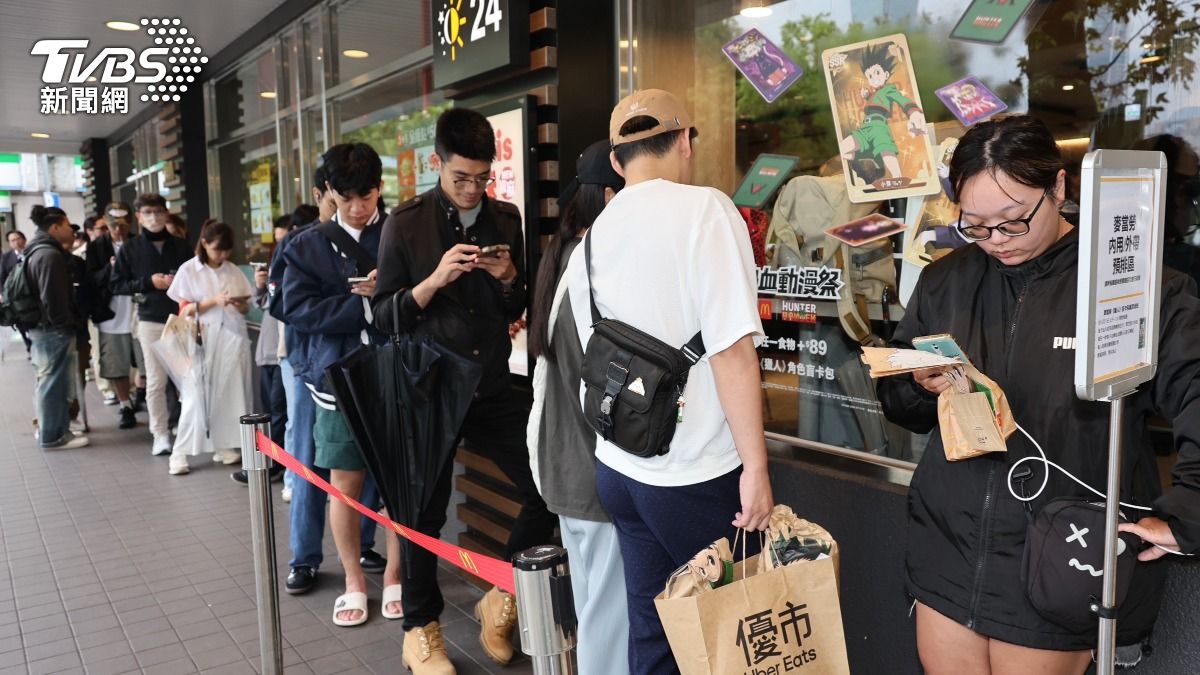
(786, 619)
(969, 425)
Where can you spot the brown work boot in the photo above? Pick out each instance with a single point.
(497, 615)
(425, 652)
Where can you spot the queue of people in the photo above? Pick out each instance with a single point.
(639, 243)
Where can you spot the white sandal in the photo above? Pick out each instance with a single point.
(392, 594)
(349, 602)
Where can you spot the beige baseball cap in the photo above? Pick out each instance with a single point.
(656, 103)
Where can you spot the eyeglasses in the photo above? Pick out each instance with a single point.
(461, 183)
(1018, 227)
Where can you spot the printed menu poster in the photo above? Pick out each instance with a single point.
(508, 174)
(764, 64)
(879, 119)
(990, 21)
(763, 179)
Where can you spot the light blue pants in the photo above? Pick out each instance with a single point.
(289, 393)
(598, 583)
(53, 356)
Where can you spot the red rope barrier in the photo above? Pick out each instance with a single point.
(491, 570)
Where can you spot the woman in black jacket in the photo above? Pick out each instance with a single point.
(1008, 300)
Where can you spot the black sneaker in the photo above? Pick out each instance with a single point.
(128, 420)
(274, 475)
(372, 562)
(301, 580)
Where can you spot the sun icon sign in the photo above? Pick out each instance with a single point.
(452, 19)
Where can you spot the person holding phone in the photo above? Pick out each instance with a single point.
(1009, 297)
(144, 268)
(214, 291)
(444, 271)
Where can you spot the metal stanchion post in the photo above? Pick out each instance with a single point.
(1107, 639)
(262, 532)
(546, 609)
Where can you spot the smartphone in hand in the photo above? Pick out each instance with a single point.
(357, 280)
(494, 250)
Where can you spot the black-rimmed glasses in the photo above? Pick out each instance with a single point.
(1010, 228)
(461, 183)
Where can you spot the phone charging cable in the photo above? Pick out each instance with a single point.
(1046, 478)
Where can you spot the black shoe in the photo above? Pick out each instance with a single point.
(274, 475)
(139, 399)
(372, 562)
(128, 420)
(301, 580)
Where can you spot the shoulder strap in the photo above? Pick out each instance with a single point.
(346, 244)
(693, 350)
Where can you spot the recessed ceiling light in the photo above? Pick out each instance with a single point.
(756, 9)
(92, 79)
(39, 134)
(355, 54)
(267, 94)
(1068, 87)
(1150, 59)
(122, 25)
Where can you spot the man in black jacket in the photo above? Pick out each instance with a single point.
(114, 336)
(435, 277)
(8, 262)
(54, 336)
(144, 268)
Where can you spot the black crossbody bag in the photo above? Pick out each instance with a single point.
(634, 381)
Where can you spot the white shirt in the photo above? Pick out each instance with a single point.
(122, 308)
(196, 281)
(670, 260)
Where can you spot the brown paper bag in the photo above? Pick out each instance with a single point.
(767, 623)
(969, 428)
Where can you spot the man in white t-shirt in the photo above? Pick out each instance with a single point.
(672, 259)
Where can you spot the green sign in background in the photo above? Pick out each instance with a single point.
(763, 179)
(989, 21)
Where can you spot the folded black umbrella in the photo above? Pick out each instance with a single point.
(405, 402)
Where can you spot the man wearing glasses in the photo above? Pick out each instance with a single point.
(451, 268)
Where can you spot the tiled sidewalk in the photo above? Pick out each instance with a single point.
(112, 566)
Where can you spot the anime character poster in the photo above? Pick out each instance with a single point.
(933, 219)
(970, 100)
(879, 119)
(763, 63)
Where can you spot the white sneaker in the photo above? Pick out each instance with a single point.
(178, 465)
(227, 456)
(162, 446)
(286, 495)
(78, 427)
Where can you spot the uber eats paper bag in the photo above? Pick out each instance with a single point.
(784, 620)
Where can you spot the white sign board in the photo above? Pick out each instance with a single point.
(1120, 272)
(508, 185)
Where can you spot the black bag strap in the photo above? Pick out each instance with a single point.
(346, 244)
(693, 350)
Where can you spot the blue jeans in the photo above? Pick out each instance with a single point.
(289, 392)
(307, 509)
(660, 529)
(53, 353)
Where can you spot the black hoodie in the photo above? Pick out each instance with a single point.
(966, 532)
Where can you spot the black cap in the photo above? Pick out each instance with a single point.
(593, 168)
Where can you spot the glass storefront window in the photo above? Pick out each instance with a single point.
(249, 191)
(1101, 73)
(248, 95)
(370, 34)
(379, 117)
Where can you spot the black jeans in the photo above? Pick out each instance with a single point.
(495, 427)
(274, 400)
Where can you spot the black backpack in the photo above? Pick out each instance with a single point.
(634, 382)
(22, 306)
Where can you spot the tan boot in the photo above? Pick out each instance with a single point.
(425, 651)
(497, 615)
